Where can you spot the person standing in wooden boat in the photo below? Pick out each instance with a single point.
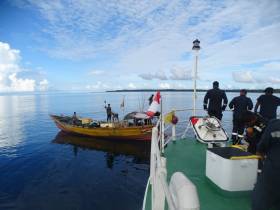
(74, 119)
(109, 112)
(151, 99)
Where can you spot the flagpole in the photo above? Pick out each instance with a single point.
(161, 126)
(122, 106)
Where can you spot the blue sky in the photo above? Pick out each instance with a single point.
(127, 44)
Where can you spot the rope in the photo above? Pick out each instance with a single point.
(145, 195)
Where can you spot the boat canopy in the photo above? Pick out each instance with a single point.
(136, 115)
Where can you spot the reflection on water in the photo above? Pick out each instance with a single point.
(140, 150)
(14, 112)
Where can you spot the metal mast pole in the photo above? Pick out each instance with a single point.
(194, 84)
(196, 49)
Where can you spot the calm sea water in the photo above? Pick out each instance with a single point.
(41, 168)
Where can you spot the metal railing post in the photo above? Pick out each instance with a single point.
(173, 132)
(162, 137)
(153, 163)
(159, 199)
(153, 153)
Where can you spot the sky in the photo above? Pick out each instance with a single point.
(130, 44)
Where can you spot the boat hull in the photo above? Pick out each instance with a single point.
(139, 133)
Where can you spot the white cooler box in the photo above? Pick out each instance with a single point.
(231, 175)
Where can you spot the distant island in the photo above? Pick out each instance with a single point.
(188, 90)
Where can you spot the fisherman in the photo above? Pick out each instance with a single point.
(75, 119)
(151, 99)
(215, 97)
(109, 112)
(115, 117)
(240, 105)
(266, 192)
(268, 104)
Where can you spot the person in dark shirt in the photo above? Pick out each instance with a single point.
(240, 104)
(109, 112)
(74, 119)
(213, 101)
(266, 192)
(268, 104)
(151, 99)
(255, 125)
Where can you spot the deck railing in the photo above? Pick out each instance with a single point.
(159, 186)
(160, 190)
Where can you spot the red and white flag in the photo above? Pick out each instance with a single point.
(154, 107)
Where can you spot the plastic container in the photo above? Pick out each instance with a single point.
(231, 175)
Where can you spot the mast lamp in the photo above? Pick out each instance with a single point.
(196, 46)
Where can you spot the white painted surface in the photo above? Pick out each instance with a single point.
(183, 192)
(206, 135)
(231, 175)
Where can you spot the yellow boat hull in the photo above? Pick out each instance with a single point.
(115, 132)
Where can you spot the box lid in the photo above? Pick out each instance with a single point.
(229, 152)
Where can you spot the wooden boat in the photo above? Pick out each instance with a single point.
(116, 131)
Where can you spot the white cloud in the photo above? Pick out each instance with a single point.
(248, 42)
(178, 73)
(263, 75)
(97, 86)
(18, 84)
(274, 80)
(146, 76)
(9, 59)
(131, 85)
(9, 70)
(180, 86)
(96, 72)
(157, 75)
(253, 47)
(165, 85)
(172, 85)
(272, 66)
(243, 77)
(43, 85)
